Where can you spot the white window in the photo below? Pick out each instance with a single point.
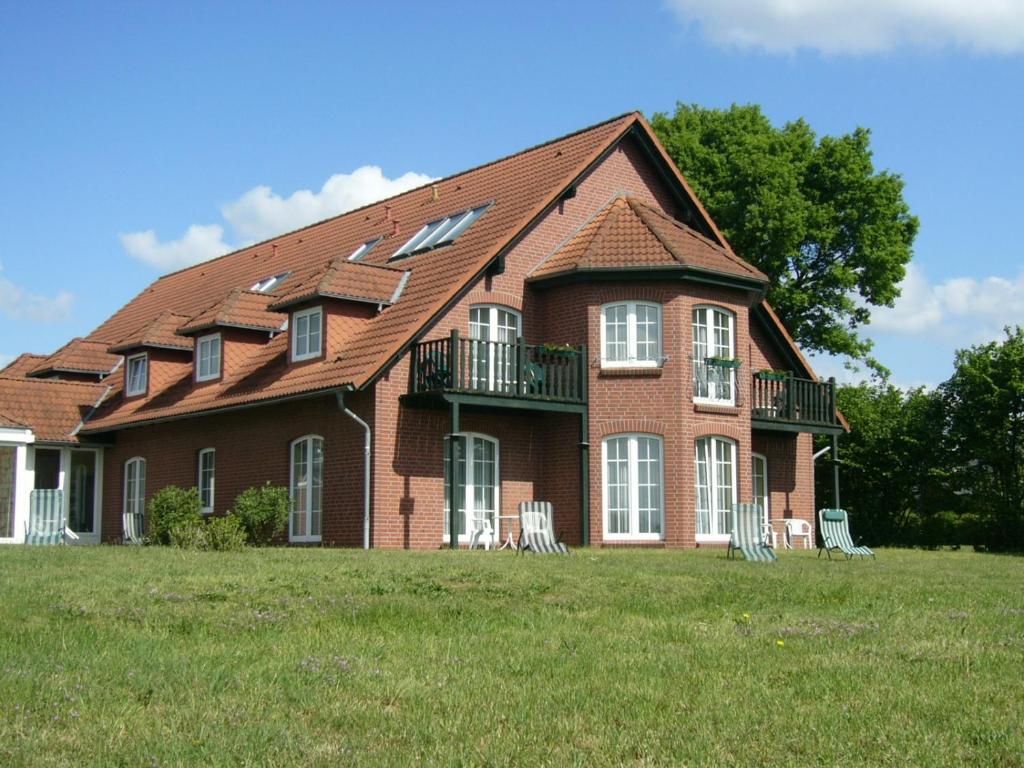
(634, 506)
(136, 375)
(440, 232)
(759, 477)
(477, 485)
(208, 357)
(306, 483)
(716, 487)
(714, 350)
(307, 333)
(267, 284)
(494, 331)
(364, 249)
(207, 478)
(135, 489)
(631, 335)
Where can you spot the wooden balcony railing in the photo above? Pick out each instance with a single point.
(518, 369)
(798, 401)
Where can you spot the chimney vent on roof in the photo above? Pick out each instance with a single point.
(396, 230)
(387, 213)
(435, 194)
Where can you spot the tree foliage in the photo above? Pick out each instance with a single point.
(831, 233)
(984, 410)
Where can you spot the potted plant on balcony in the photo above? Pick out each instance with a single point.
(767, 374)
(558, 350)
(723, 362)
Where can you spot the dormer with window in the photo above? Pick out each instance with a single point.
(154, 355)
(230, 332)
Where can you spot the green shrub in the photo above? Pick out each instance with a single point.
(190, 534)
(225, 534)
(262, 512)
(170, 508)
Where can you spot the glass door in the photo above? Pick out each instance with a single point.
(494, 332)
(81, 491)
(8, 464)
(477, 483)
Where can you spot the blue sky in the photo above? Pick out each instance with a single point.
(139, 137)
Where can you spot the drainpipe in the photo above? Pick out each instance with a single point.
(366, 466)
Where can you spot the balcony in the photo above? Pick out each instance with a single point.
(782, 401)
(501, 371)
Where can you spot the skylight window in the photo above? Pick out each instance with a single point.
(440, 232)
(267, 284)
(364, 249)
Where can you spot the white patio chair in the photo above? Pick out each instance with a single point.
(535, 531)
(482, 529)
(795, 529)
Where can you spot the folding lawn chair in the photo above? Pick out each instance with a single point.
(535, 531)
(134, 527)
(748, 534)
(834, 525)
(45, 518)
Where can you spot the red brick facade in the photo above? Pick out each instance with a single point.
(539, 454)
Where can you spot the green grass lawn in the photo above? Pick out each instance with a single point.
(139, 657)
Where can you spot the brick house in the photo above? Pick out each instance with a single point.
(564, 324)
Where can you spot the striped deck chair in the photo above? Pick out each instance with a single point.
(134, 527)
(45, 517)
(535, 532)
(748, 534)
(834, 525)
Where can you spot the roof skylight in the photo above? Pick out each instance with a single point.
(364, 249)
(267, 284)
(440, 232)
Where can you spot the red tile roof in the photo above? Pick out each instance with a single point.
(630, 234)
(159, 332)
(78, 356)
(22, 365)
(343, 279)
(240, 309)
(10, 423)
(52, 409)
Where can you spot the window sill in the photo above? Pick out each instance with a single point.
(720, 410)
(612, 373)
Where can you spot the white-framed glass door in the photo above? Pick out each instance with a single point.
(716, 487)
(713, 337)
(759, 479)
(306, 485)
(477, 485)
(8, 487)
(82, 494)
(493, 331)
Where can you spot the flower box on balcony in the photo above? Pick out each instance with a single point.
(558, 350)
(767, 375)
(723, 362)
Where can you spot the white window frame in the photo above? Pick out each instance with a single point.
(631, 360)
(470, 488)
(201, 473)
(713, 397)
(491, 352)
(207, 342)
(714, 535)
(308, 535)
(440, 232)
(633, 488)
(139, 388)
(137, 503)
(310, 353)
(764, 501)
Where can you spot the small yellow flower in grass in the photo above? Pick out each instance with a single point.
(746, 617)
(780, 643)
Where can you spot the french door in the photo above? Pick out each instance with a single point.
(8, 465)
(477, 485)
(759, 474)
(493, 332)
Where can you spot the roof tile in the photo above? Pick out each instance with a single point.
(51, 408)
(159, 332)
(239, 309)
(78, 356)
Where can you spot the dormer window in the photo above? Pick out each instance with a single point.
(208, 357)
(307, 334)
(440, 232)
(268, 284)
(136, 375)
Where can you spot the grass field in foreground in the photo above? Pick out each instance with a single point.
(141, 657)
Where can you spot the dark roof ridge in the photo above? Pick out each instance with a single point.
(367, 206)
(52, 382)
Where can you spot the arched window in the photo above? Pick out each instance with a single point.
(134, 509)
(714, 354)
(478, 484)
(716, 487)
(494, 331)
(631, 335)
(634, 500)
(306, 485)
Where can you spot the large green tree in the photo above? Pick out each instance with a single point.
(832, 233)
(984, 408)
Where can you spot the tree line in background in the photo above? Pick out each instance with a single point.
(940, 467)
(834, 236)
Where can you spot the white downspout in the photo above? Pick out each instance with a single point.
(821, 453)
(366, 467)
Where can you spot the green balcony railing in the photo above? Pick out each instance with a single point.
(798, 401)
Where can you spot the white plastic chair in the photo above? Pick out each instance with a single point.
(482, 529)
(771, 538)
(796, 528)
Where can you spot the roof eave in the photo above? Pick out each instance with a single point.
(668, 272)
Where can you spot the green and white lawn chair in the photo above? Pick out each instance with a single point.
(748, 534)
(834, 526)
(46, 522)
(535, 532)
(134, 527)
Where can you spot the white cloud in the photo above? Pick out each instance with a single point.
(260, 213)
(18, 304)
(868, 26)
(200, 242)
(965, 310)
